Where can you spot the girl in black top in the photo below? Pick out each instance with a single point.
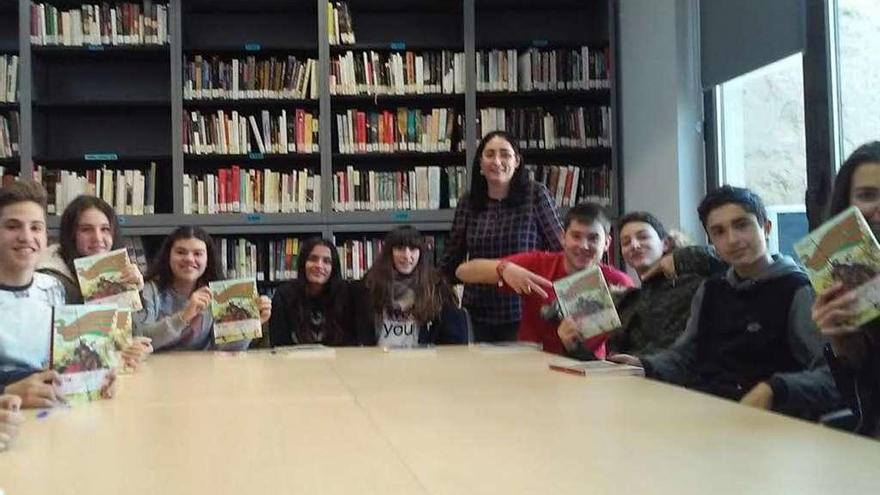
(314, 308)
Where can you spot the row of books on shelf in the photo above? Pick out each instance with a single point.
(249, 78)
(418, 189)
(543, 69)
(339, 24)
(238, 190)
(267, 260)
(130, 192)
(397, 73)
(537, 128)
(144, 23)
(388, 131)
(8, 78)
(573, 184)
(234, 133)
(10, 133)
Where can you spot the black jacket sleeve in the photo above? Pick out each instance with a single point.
(451, 327)
(284, 317)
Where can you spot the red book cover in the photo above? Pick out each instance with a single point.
(569, 179)
(361, 131)
(301, 131)
(222, 207)
(389, 130)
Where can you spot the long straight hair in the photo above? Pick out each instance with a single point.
(431, 290)
(333, 293)
(160, 269)
(520, 185)
(70, 224)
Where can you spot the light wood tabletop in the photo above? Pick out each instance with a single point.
(466, 420)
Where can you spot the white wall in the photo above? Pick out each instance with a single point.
(661, 110)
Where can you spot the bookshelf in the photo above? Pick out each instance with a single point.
(101, 106)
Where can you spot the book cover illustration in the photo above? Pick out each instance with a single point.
(584, 297)
(122, 337)
(83, 351)
(100, 279)
(235, 309)
(844, 249)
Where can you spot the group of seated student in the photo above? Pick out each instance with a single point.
(732, 320)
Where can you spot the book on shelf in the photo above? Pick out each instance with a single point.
(397, 73)
(537, 69)
(100, 279)
(130, 191)
(388, 131)
(419, 188)
(136, 252)
(249, 78)
(573, 184)
(594, 369)
(235, 309)
(339, 24)
(537, 128)
(144, 23)
(8, 78)
(234, 133)
(265, 259)
(584, 297)
(10, 135)
(83, 350)
(240, 190)
(844, 250)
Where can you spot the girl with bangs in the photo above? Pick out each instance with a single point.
(403, 301)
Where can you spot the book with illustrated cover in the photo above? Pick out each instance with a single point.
(83, 351)
(236, 311)
(584, 297)
(100, 279)
(122, 336)
(596, 368)
(844, 249)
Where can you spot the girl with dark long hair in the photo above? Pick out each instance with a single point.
(176, 298)
(315, 308)
(403, 301)
(855, 351)
(505, 213)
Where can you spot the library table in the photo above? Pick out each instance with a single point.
(465, 420)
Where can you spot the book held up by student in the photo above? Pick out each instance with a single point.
(100, 280)
(236, 311)
(83, 351)
(844, 249)
(584, 297)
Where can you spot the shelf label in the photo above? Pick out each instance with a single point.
(98, 157)
(398, 45)
(95, 48)
(254, 218)
(121, 219)
(252, 47)
(401, 216)
(540, 43)
(255, 156)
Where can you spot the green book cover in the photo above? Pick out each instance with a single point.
(235, 309)
(100, 280)
(83, 351)
(844, 249)
(584, 297)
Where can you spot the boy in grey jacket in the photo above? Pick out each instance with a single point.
(750, 336)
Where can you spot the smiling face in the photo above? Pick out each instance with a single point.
(584, 244)
(498, 162)
(189, 259)
(319, 265)
(640, 245)
(22, 237)
(405, 259)
(93, 233)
